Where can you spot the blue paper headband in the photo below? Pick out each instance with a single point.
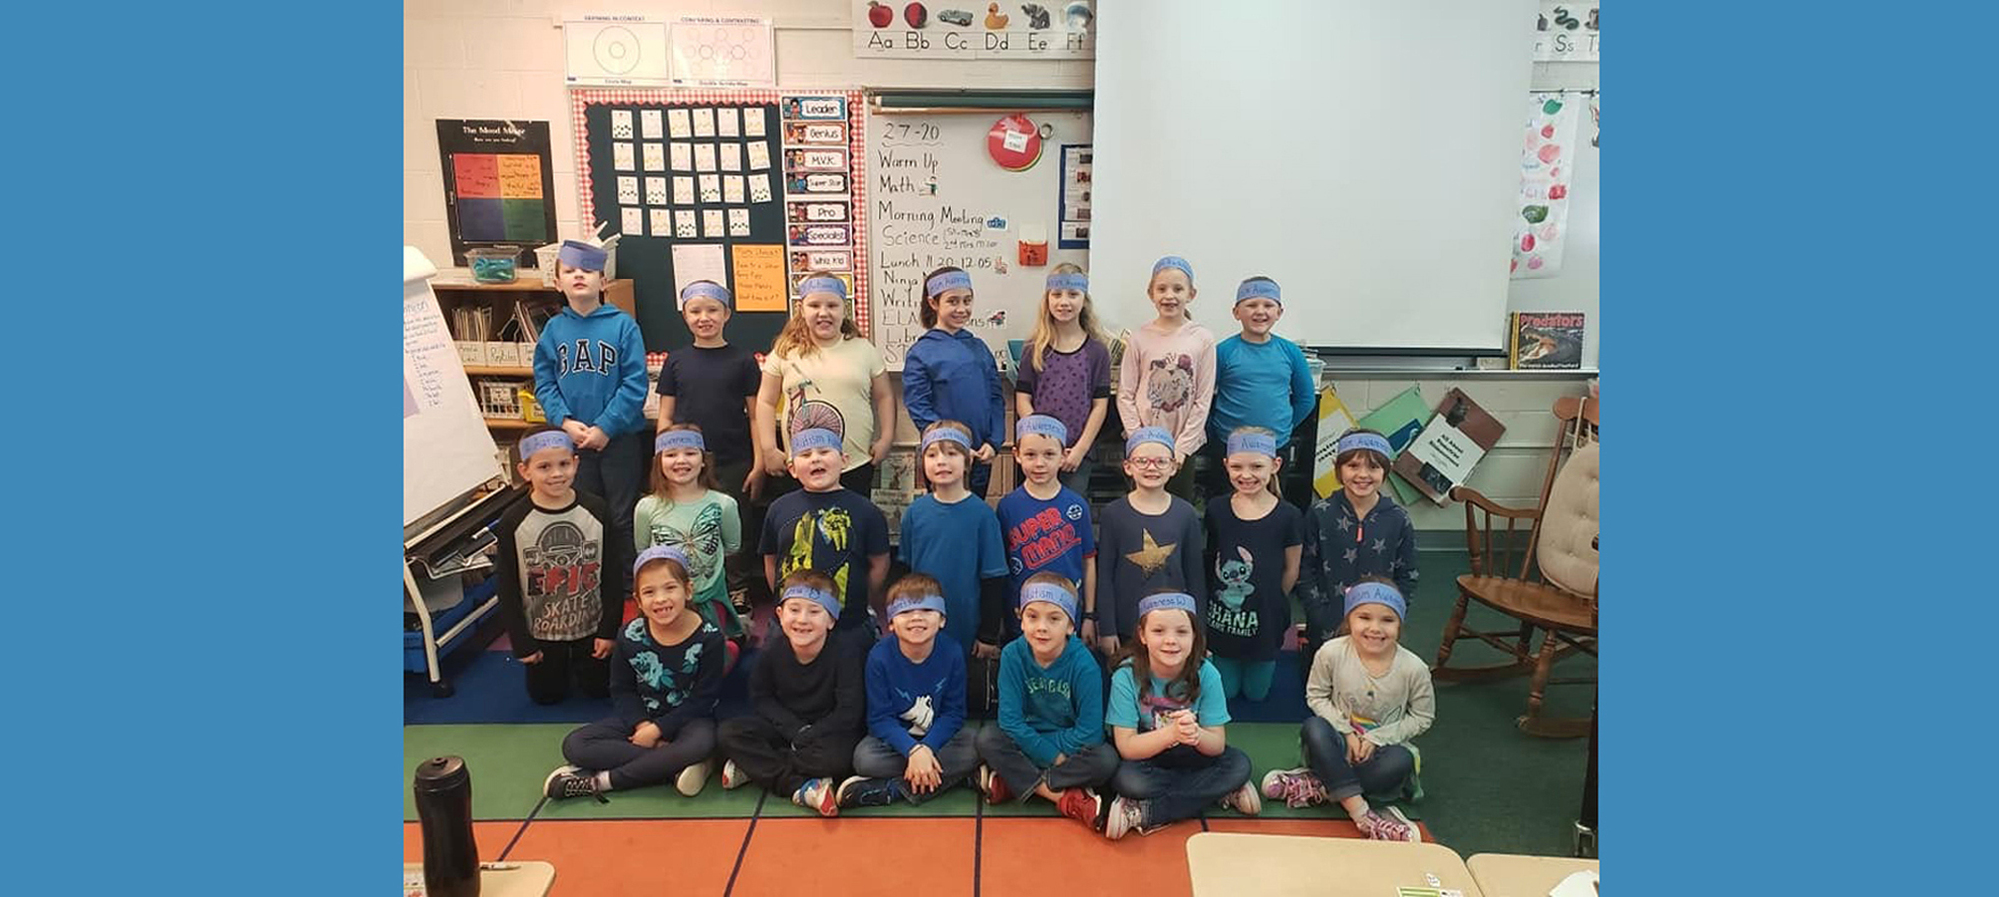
(814, 438)
(1260, 443)
(578, 254)
(1353, 441)
(915, 602)
(944, 434)
(822, 598)
(1050, 593)
(1376, 593)
(679, 439)
(1258, 289)
(1042, 425)
(833, 285)
(1143, 435)
(1073, 280)
(1167, 601)
(546, 439)
(1173, 261)
(660, 553)
(708, 289)
(949, 280)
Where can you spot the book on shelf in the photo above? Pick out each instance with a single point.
(1544, 340)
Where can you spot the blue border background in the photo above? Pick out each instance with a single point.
(206, 670)
(205, 658)
(1799, 215)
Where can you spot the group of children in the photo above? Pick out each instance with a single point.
(1194, 605)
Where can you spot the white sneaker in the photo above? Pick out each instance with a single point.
(1124, 818)
(695, 777)
(732, 777)
(1244, 800)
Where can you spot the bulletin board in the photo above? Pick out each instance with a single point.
(711, 184)
(940, 199)
(499, 188)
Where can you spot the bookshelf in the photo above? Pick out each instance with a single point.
(455, 289)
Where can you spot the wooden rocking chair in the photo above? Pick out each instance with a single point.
(1553, 589)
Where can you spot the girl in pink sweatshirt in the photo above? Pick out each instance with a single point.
(1167, 376)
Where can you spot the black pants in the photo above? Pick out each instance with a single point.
(617, 474)
(1089, 768)
(561, 662)
(771, 760)
(606, 745)
(744, 569)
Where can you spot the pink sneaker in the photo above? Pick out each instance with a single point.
(1295, 787)
(1388, 824)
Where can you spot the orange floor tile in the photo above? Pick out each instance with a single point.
(863, 856)
(492, 838)
(1058, 856)
(603, 857)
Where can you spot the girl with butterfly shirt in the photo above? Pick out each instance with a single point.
(687, 508)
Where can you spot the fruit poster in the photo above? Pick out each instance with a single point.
(1546, 162)
(1059, 29)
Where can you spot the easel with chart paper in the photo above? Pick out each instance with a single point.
(749, 188)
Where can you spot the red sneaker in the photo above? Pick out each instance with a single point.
(994, 786)
(1079, 804)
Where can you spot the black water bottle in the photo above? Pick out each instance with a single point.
(444, 811)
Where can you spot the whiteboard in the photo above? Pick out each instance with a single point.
(447, 450)
(913, 230)
(1361, 153)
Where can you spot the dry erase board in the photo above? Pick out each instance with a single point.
(710, 185)
(447, 450)
(936, 197)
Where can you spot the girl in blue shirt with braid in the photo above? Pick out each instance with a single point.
(949, 374)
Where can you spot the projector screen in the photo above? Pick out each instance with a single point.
(1364, 154)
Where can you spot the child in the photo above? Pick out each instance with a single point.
(1047, 524)
(1352, 534)
(1167, 716)
(1167, 375)
(1254, 541)
(558, 568)
(687, 508)
(1261, 379)
(917, 744)
(713, 385)
(952, 535)
(590, 378)
(1150, 540)
(822, 374)
(1065, 371)
(949, 374)
(1369, 696)
(1050, 736)
(665, 675)
(808, 700)
(827, 528)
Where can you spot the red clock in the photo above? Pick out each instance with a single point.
(1014, 143)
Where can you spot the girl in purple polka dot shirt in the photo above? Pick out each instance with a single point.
(1065, 370)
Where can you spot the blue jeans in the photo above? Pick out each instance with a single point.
(1179, 782)
(1326, 752)
(1078, 480)
(956, 762)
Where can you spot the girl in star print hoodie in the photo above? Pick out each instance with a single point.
(1356, 533)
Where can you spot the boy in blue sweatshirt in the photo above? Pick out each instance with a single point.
(949, 374)
(1050, 736)
(1261, 380)
(917, 743)
(590, 378)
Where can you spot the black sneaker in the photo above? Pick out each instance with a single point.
(859, 791)
(571, 781)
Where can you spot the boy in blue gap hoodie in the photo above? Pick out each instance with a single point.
(949, 374)
(917, 744)
(1050, 736)
(590, 378)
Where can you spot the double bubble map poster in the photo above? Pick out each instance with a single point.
(751, 188)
